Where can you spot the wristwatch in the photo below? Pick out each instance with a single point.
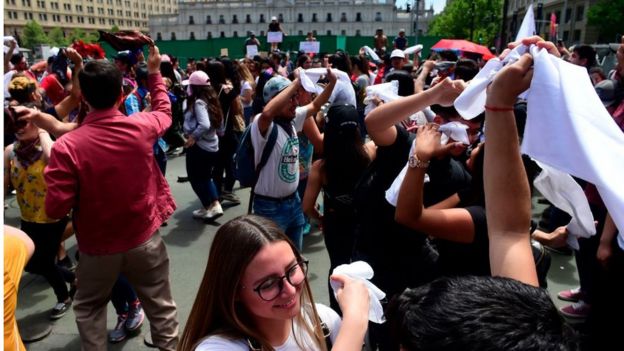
(414, 162)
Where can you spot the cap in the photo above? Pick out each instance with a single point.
(252, 33)
(606, 91)
(197, 78)
(127, 82)
(165, 58)
(397, 53)
(125, 56)
(273, 18)
(343, 116)
(273, 86)
(402, 30)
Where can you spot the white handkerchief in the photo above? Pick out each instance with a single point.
(307, 83)
(316, 73)
(565, 193)
(392, 194)
(7, 40)
(413, 49)
(343, 94)
(569, 129)
(363, 271)
(386, 92)
(373, 55)
(527, 28)
(456, 131)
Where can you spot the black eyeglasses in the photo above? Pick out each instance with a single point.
(271, 288)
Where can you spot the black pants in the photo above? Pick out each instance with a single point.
(47, 238)
(225, 162)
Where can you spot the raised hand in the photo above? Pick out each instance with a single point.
(153, 60)
(510, 82)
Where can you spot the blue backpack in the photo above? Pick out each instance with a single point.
(245, 169)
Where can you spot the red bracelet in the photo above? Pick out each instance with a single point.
(497, 109)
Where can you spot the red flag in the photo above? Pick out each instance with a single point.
(553, 26)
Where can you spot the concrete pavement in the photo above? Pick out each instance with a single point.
(188, 242)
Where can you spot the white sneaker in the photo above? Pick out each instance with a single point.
(201, 213)
(214, 212)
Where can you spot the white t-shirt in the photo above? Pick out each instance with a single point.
(327, 315)
(280, 175)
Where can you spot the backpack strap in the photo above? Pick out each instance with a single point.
(266, 152)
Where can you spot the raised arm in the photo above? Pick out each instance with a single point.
(9, 54)
(354, 300)
(507, 194)
(419, 83)
(161, 105)
(380, 122)
(45, 121)
(72, 101)
(454, 224)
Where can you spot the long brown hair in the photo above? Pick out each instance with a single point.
(216, 310)
(207, 94)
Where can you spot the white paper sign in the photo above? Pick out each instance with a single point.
(252, 50)
(274, 37)
(310, 46)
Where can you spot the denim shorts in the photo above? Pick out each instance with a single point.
(286, 213)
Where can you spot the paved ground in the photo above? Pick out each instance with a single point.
(188, 242)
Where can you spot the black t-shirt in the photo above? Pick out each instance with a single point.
(458, 259)
(274, 27)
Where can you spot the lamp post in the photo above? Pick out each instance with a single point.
(416, 9)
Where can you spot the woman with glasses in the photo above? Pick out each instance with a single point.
(255, 296)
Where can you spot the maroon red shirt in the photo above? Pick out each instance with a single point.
(105, 170)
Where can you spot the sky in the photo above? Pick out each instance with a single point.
(438, 5)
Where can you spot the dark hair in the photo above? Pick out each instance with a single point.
(166, 70)
(406, 82)
(302, 59)
(258, 101)
(447, 55)
(340, 60)
(361, 63)
(100, 82)
(598, 70)
(478, 313)
(16, 58)
(231, 73)
(345, 157)
(588, 53)
(466, 69)
(208, 95)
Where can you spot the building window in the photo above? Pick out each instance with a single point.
(191, 20)
(329, 32)
(192, 36)
(221, 19)
(158, 36)
(314, 19)
(209, 35)
(577, 36)
(262, 18)
(580, 11)
(566, 35)
(300, 18)
(234, 19)
(343, 32)
(343, 17)
(300, 32)
(329, 17)
(248, 19)
(261, 33)
(568, 14)
(280, 18)
(314, 33)
(222, 35)
(358, 33)
(208, 20)
(358, 17)
(235, 34)
(173, 36)
(378, 17)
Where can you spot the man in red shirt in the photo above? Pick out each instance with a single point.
(106, 172)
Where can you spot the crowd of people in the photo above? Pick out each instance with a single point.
(405, 181)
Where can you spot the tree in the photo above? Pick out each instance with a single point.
(607, 16)
(115, 29)
(57, 38)
(460, 16)
(79, 34)
(33, 35)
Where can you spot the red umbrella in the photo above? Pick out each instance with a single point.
(463, 45)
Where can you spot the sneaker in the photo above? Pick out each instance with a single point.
(201, 213)
(135, 317)
(214, 212)
(231, 197)
(67, 263)
(576, 310)
(573, 295)
(60, 309)
(119, 333)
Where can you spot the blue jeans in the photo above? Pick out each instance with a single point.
(199, 165)
(122, 295)
(286, 213)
